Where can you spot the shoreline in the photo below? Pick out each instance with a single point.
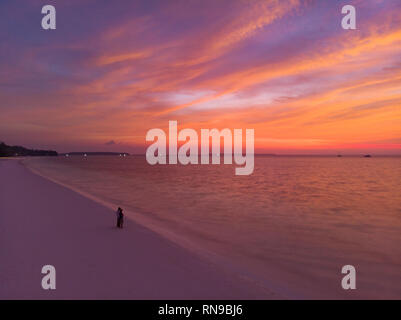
(190, 264)
(216, 260)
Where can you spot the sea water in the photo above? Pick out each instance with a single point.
(290, 226)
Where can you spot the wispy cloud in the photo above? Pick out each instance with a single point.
(285, 68)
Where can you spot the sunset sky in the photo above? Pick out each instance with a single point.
(112, 70)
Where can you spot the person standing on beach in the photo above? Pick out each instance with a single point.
(120, 217)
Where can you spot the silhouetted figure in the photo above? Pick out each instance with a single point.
(120, 217)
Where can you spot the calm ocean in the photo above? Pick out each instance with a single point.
(291, 225)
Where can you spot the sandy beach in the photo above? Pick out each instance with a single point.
(44, 223)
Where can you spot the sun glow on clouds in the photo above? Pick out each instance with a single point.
(237, 100)
(284, 68)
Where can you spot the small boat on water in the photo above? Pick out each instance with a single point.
(367, 156)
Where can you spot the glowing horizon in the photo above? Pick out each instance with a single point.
(287, 69)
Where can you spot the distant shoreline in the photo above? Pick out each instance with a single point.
(222, 154)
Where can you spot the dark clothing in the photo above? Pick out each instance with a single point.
(120, 219)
